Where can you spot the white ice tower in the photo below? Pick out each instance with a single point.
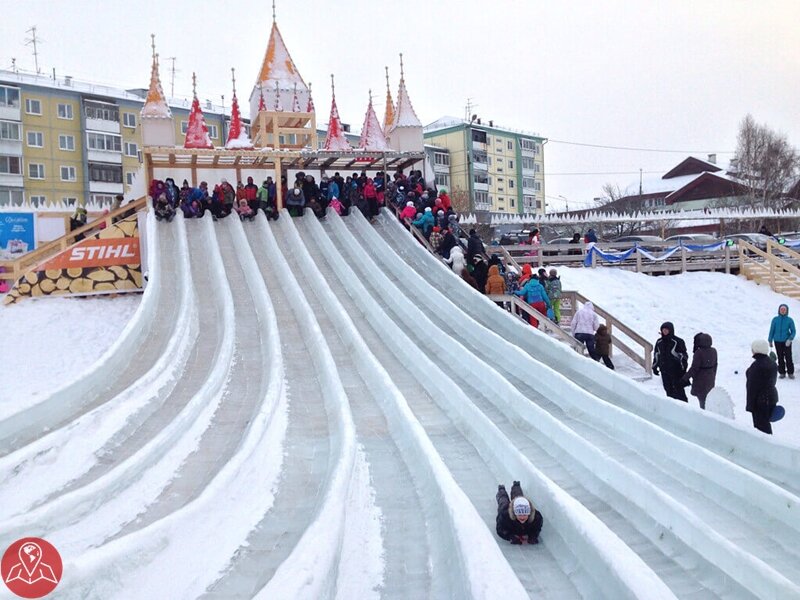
(158, 127)
(405, 133)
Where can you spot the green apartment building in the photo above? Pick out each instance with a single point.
(498, 170)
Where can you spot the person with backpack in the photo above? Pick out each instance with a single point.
(553, 289)
(517, 520)
(781, 333)
(670, 359)
(534, 294)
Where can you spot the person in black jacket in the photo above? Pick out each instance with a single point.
(762, 395)
(671, 359)
(474, 246)
(703, 371)
(448, 243)
(517, 519)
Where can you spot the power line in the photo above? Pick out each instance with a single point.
(610, 173)
(550, 140)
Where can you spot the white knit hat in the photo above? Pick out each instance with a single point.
(409, 203)
(760, 347)
(427, 209)
(521, 506)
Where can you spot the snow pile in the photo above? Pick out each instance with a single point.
(51, 342)
(731, 309)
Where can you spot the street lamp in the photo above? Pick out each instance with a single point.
(566, 202)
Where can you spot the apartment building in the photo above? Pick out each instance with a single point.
(501, 170)
(64, 142)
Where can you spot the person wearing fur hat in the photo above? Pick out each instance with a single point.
(670, 359)
(703, 371)
(762, 395)
(517, 521)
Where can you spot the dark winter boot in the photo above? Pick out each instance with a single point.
(516, 490)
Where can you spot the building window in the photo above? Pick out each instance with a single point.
(129, 177)
(68, 174)
(105, 173)
(131, 149)
(512, 202)
(35, 139)
(441, 158)
(129, 120)
(212, 131)
(499, 169)
(527, 182)
(499, 160)
(480, 178)
(32, 106)
(537, 186)
(66, 142)
(529, 203)
(65, 111)
(511, 184)
(104, 141)
(9, 96)
(10, 165)
(528, 145)
(510, 164)
(184, 127)
(537, 167)
(478, 136)
(103, 199)
(9, 131)
(528, 163)
(11, 197)
(510, 145)
(479, 156)
(35, 171)
(68, 201)
(442, 179)
(38, 201)
(104, 112)
(482, 201)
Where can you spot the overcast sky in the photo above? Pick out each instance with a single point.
(675, 75)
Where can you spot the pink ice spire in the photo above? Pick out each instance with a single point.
(197, 132)
(372, 137)
(335, 139)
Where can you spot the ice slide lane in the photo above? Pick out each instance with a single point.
(430, 548)
(122, 357)
(45, 468)
(578, 550)
(672, 514)
(732, 441)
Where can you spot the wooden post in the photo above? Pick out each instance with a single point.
(727, 259)
(638, 260)
(279, 184)
(683, 258)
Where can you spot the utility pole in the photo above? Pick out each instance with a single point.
(172, 77)
(33, 41)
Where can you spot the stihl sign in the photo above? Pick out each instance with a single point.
(97, 253)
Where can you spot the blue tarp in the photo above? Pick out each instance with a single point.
(664, 255)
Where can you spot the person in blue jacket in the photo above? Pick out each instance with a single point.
(781, 332)
(534, 294)
(425, 222)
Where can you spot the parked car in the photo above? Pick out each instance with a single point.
(559, 241)
(693, 238)
(648, 242)
(759, 240)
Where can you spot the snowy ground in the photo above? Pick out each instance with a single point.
(48, 343)
(733, 310)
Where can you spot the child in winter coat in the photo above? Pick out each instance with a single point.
(495, 284)
(553, 289)
(517, 521)
(534, 294)
(408, 212)
(436, 238)
(336, 205)
(244, 210)
(163, 209)
(425, 222)
(602, 345)
(703, 371)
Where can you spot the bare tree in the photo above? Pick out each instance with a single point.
(459, 197)
(766, 164)
(615, 200)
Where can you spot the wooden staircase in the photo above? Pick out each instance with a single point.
(771, 267)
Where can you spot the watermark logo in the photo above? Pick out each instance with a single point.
(31, 567)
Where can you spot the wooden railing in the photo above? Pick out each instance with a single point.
(14, 269)
(522, 309)
(642, 354)
(776, 272)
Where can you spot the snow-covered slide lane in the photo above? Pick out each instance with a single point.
(155, 561)
(574, 536)
(311, 568)
(725, 532)
(44, 469)
(463, 559)
(87, 391)
(733, 441)
(84, 516)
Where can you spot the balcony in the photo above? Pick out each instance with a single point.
(104, 187)
(102, 125)
(10, 113)
(105, 156)
(11, 147)
(483, 206)
(11, 180)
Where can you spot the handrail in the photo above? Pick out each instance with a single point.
(786, 270)
(14, 269)
(544, 323)
(645, 361)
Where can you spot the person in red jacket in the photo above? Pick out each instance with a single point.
(251, 195)
(371, 196)
(446, 204)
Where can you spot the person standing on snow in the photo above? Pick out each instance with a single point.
(762, 395)
(781, 332)
(703, 371)
(584, 324)
(517, 521)
(602, 344)
(670, 358)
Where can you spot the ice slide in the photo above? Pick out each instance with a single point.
(295, 412)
